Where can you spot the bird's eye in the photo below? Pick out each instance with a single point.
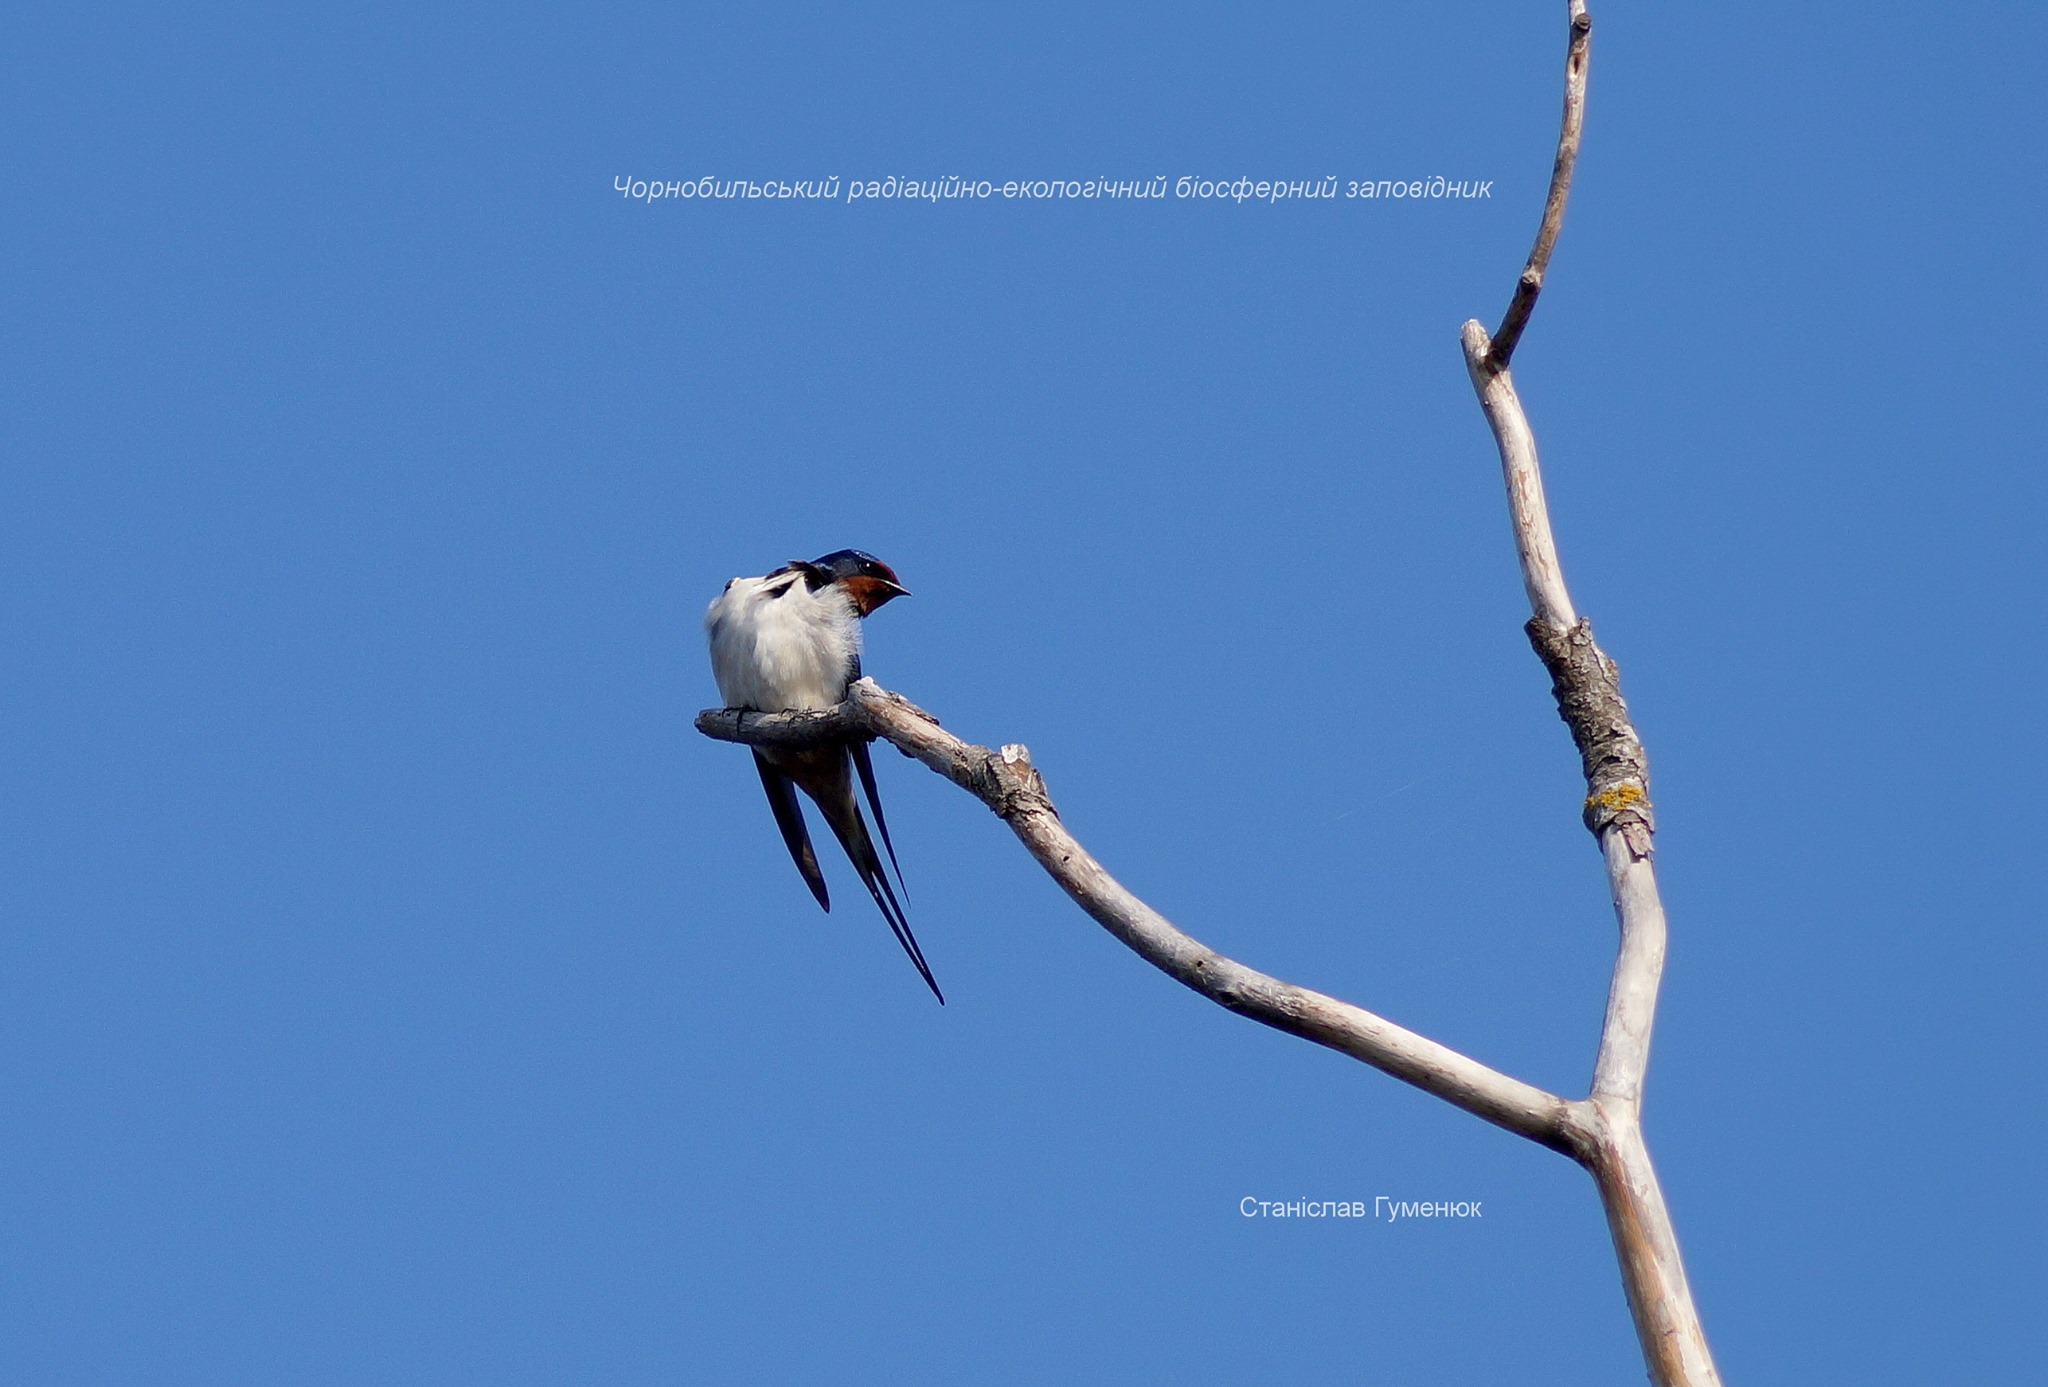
(729, 582)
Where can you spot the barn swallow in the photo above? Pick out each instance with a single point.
(791, 640)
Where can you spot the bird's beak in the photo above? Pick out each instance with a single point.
(869, 593)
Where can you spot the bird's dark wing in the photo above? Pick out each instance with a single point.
(789, 817)
(865, 765)
(823, 776)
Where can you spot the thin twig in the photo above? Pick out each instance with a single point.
(1531, 283)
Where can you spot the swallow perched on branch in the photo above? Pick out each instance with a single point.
(791, 640)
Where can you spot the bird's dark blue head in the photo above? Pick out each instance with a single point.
(863, 577)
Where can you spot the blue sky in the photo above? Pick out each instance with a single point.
(396, 989)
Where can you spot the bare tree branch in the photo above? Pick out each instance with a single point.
(1542, 575)
(1007, 783)
(1617, 809)
(1531, 282)
(1652, 1272)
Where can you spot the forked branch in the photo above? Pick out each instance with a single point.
(1603, 1131)
(1617, 809)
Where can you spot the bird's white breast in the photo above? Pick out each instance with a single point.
(776, 644)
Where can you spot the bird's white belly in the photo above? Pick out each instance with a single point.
(796, 650)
